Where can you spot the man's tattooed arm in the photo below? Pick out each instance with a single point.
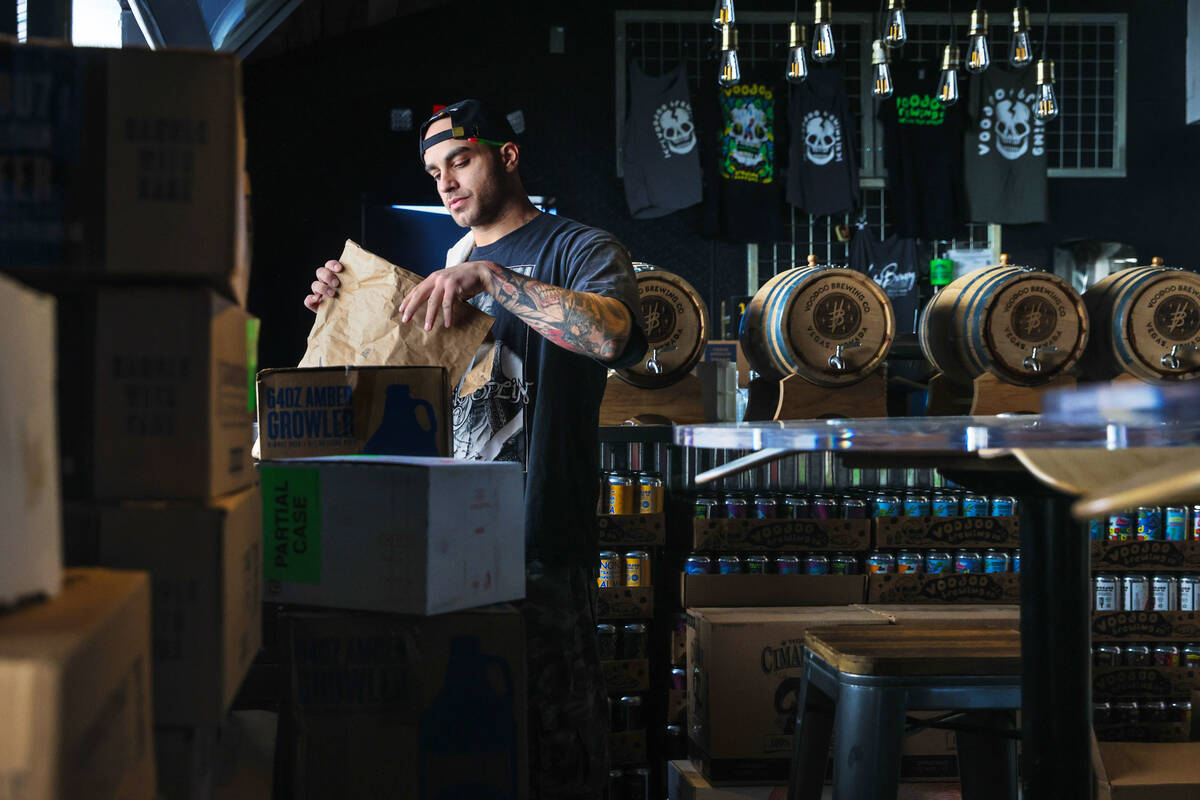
(580, 322)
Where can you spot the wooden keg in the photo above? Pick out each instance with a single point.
(829, 325)
(676, 320)
(1147, 323)
(1024, 326)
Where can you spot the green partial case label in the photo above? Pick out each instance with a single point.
(291, 524)
(252, 328)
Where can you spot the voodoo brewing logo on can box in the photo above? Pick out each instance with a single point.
(1144, 681)
(331, 411)
(781, 534)
(948, 531)
(953, 588)
(1117, 555)
(1145, 626)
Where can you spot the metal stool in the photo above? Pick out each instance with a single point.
(861, 679)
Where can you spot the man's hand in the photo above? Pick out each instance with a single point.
(326, 285)
(439, 291)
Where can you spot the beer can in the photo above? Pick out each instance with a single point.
(635, 641)
(1149, 524)
(1189, 592)
(729, 565)
(824, 507)
(1136, 655)
(788, 565)
(1102, 712)
(736, 507)
(678, 679)
(637, 783)
(1154, 711)
(1004, 506)
(1135, 590)
(1016, 560)
(816, 564)
(620, 494)
(697, 564)
(843, 564)
(610, 570)
(1122, 526)
(1097, 529)
(975, 505)
(1164, 592)
(885, 505)
(614, 790)
(854, 507)
(916, 504)
(1125, 711)
(630, 713)
(910, 562)
(995, 561)
(968, 562)
(1195, 529)
(1175, 523)
(944, 504)
(707, 507)
(675, 744)
(1106, 593)
(881, 562)
(765, 507)
(1181, 711)
(757, 564)
(938, 562)
(606, 641)
(1106, 655)
(651, 493)
(637, 568)
(1166, 655)
(796, 506)
(1189, 655)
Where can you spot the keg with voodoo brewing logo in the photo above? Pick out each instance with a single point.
(676, 324)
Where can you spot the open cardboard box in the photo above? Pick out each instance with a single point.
(1146, 771)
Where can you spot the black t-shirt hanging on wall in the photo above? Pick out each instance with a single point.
(743, 125)
(923, 154)
(661, 163)
(893, 264)
(822, 175)
(1005, 149)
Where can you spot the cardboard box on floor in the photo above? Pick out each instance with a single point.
(75, 691)
(126, 164)
(398, 534)
(30, 530)
(205, 562)
(384, 705)
(156, 394)
(1146, 771)
(338, 411)
(685, 782)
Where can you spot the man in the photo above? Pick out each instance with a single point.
(566, 307)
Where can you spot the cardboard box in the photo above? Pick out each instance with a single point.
(744, 666)
(986, 616)
(338, 411)
(1143, 732)
(389, 706)
(685, 782)
(186, 760)
(956, 588)
(399, 534)
(1132, 771)
(75, 691)
(125, 163)
(771, 590)
(729, 350)
(206, 566)
(1144, 681)
(627, 747)
(1145, 626)
(947, 532)
(781, 534)
(31, 527)
(623, 530)
(625, 602)
(626, 676)
(1156, 556)
(157, 402)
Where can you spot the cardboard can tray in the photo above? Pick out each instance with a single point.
(625, 676)
(1150, 556)
(946, 532)
(1109, 682)
(781, 534)
(1145, 626)
(699, 591)
(626, 602)
(1004, 587)
(678, 649)
(677, 704)
(1143, 732)
(627, 747)
(632, 529)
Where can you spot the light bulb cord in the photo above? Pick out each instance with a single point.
(1046, 31)
(950, 14)
(881, 21)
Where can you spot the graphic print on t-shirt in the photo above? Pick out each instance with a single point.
(822, 137)
(1008, 124)
(674, 127)
(748, 140)
(920, 109)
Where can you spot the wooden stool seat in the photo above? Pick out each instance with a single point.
(918, 650)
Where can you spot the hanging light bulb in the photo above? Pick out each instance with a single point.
(883, 73)
(729, 69)
(948, 83)
(822, 47)
(1020, 49)
(723, 14)
(897, 29)
(1047, 103)
(978, 57)
(797, 66)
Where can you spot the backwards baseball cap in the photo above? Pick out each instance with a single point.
(470, 120)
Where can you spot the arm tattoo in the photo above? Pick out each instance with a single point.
(580, 322)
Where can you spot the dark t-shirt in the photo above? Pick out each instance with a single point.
(893, 264)
(542, 405)
(661, 163)
(822, 175)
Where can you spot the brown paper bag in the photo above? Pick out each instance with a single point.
(362, 326)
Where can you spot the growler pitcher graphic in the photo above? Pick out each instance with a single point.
(408, 427)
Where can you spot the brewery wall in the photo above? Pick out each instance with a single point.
(319, 137)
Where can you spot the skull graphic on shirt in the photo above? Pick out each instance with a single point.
(674, 127)
(748, 137)
(822, 137)
(749, 129)
(1012, 128)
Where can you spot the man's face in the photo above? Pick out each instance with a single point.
(470, 178)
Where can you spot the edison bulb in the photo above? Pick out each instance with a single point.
(1046, 108)
(723, 14)
(948, 83)
(897, 28)
(729, 69)
(1020, 48)
(823, 49)
(978, 56)
(883, 87)
(797, 66)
